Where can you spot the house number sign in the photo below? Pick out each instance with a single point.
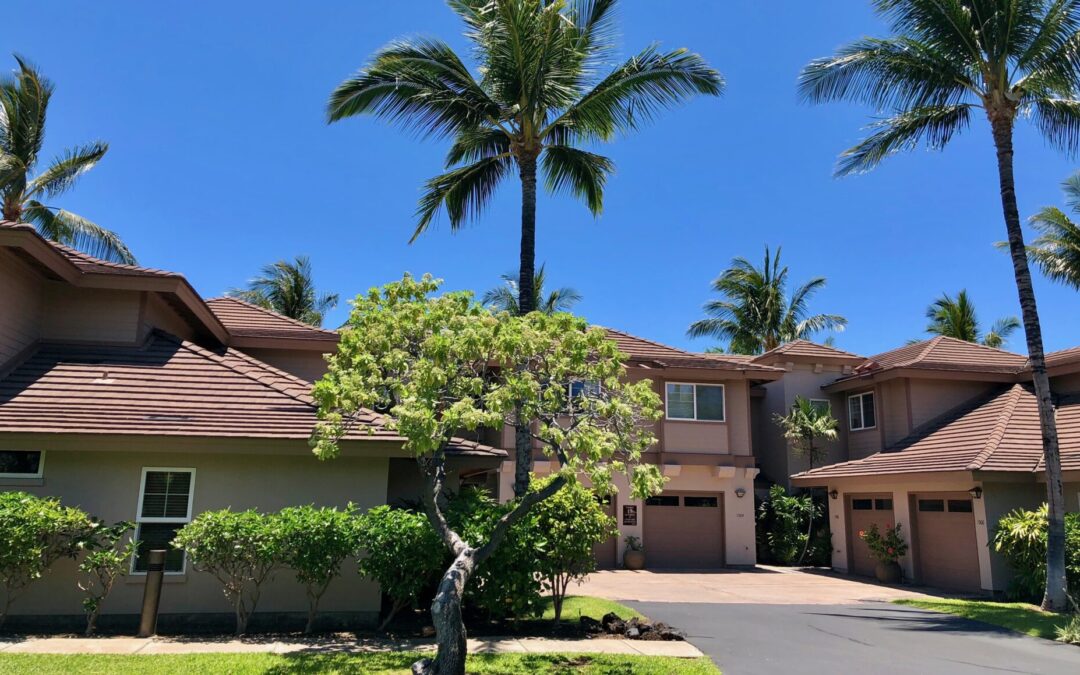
(629, 514)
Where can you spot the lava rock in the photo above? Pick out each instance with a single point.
(591, 626)
(613, 624)
(633, 633)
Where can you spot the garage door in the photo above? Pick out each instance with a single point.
(684, 530)
(864, 511)
(604, 552)
(945, 546)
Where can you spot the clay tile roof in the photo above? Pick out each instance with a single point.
(166, 387)
(1062, 357)
(88, 263)
(998, 432)
(243, 319)
(805, 348)
(654, 354)
(945, 353)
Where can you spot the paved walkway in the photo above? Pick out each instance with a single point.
(166, 645)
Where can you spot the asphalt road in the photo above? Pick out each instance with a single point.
(871, 637)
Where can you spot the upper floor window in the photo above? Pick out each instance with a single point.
(701, 402)
(586, 388)
(861, 411)
(164, 507)
(21, 463)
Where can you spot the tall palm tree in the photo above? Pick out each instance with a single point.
(288, 288)
(504, 298)
(539, 98)
(24, 101)
(1056, 251)
(946, 61)
(956, 318)
(756, 314)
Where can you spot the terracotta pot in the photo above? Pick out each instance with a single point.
(888, 572)
(633, 560)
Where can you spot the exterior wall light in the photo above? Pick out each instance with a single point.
(975, 492)
(834, 493)
(740, 492)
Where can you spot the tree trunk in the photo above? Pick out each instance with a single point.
(313, 608)
(446, 616)
(526, 304)
(1056, 597)
(394, 609)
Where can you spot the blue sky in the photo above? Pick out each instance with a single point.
(221, 161)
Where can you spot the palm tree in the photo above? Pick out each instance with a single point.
(1056, 250)
(947, 60)
(288, 289)
(537, 101)
(24, 101)
(504, 298)
(956, 318)
(756, 314)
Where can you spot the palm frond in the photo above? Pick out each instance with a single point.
(1056, 251)
(580, 173)
(1059, 122)
(77, 232)
(463, 193)
(934, 125)
(66, 169)
(288, 288)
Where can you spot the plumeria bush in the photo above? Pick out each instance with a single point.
(887, 546)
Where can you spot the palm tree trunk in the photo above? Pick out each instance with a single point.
(526, 304)
(1056, 597)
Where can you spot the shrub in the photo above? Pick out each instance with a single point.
(240, 549)
(567, 526)
(1070, 632)
(105, 561)
(888, 547)
(314, 543)
(784, 526)
(401, 553)
(34, 533)
(1020, 538)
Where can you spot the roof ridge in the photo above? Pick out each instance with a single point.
(966, 343)
(275, 314)
(652, 342)
(1000, 427)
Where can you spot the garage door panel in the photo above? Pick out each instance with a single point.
(606, 551)
(945, 542)
(685, 531)
(864, 511)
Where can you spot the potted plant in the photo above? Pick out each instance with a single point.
(634, 556)
(887, 548)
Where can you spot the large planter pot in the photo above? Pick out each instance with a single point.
(633, 560)
(888, 572)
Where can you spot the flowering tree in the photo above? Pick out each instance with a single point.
(437, 365)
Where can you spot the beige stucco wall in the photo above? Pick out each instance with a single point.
(106, 484)
(307, 365)
(1066, 384)
(21, 299)
(893, 414)
(732, 436)
(90, 314)
(156, 313)
(932, 398)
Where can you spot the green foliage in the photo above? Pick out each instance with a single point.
(784, 528)
(567, 525)
(1056, 251)
(239, 548)
(504, 298)
(288, 288)
(34, 533)
(956, 318)
(887, 547)
(1070, 632)
(1020, 538)
(634, 543)
(401, 552)
(24, 103)
(314, 543)
(804, 425)
(756, 314)
(106, 560)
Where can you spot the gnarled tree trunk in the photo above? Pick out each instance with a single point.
(446, 616)
(1056, 597)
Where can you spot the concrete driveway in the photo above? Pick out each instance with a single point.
(784, 622)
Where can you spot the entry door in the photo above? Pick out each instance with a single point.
(684, 530)
(605, 552)
(945, 543)
(864, 511)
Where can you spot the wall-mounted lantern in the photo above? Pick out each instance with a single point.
(740, 492)
(834, 493)
(975, 492)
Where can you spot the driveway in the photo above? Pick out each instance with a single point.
(857, 631)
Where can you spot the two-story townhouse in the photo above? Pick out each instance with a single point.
(122, 392)
(942, 437)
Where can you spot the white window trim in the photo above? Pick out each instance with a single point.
(41, 466)
(695, 385)
(826, 401)
(571, 383)
(139, 519)
(862, 409)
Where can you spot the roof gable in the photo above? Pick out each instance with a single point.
(807, 349)
(245, 320)
(649, 354)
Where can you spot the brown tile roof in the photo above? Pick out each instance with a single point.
(946, 354)
(648, 353)
(805, 348)
(89, 264)
(1063, 357)
(998, 432)
(166, 387)
(243, 319)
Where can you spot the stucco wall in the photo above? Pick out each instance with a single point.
(90, 314)
(21, 298)
(307, 365)
(106, 484)
(732, 436)
(932, 398)
(1066, 384)
(159, 314)
(893, 415)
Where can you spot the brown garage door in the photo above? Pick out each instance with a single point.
(945, 546)
(604, 552)
(864, 511)
(685, 530)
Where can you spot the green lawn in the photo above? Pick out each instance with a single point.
(368, 664)
(576, 606)
(1018, 616)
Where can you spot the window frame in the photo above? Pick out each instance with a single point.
(41, 465)
(862, 410)
(153, 520)
(695, 418)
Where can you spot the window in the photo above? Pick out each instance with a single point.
(819, 404)
(701, 502)
(862, 504)
(861, 413)
(21, 463)
(883, 504)
(586, 388)
(662, 500)
(935, 505)
(959, 506)
(164, 507)
(700, 402)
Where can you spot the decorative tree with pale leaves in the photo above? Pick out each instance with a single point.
(436, 365)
